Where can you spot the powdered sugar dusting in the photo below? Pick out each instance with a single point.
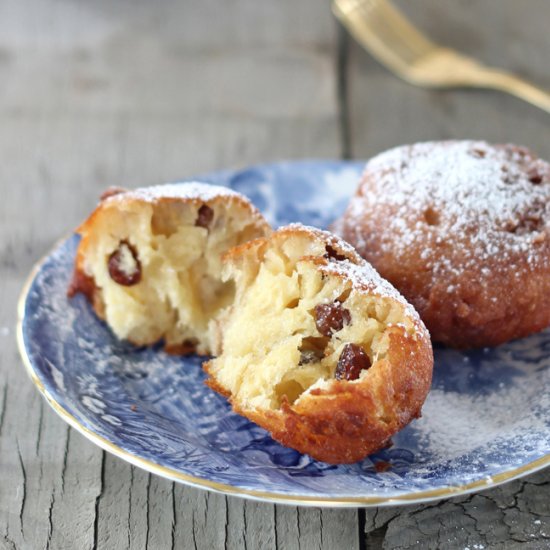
(492, 202)
(156, 407)
(457, 424)
(358, 271)
(185, 191)
(330, 238)
(364, 277)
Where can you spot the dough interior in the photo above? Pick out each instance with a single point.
(270, 335)
(180, 289)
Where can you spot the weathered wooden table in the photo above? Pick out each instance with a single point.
(137, 92)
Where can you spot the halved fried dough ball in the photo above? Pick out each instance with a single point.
(317, 348)
(150, 260)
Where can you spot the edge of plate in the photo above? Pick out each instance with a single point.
(262, 496)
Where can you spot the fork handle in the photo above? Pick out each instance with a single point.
(506, 82)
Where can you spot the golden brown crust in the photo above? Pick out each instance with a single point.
(111, 192)
(342, 421)
(84, 284)
(470, 249)
(120, 198)
(336, 248)
(185, 348)
(350, 420)
(212, 383)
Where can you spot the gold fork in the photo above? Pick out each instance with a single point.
(383, 30)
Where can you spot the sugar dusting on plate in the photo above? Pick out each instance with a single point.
(456, 424)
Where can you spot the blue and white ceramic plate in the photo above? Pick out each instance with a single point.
(486, 420)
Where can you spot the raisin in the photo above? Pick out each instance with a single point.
(479, 153)
(331, 254)
(352, 361)
(205, 216)
(331, 318)
(534, 176)
(431, 216)
(124, 265)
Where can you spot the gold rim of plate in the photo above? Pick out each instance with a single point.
(277, 498)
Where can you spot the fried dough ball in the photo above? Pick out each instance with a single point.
(150, 260)
(462, 230)
(317, 348)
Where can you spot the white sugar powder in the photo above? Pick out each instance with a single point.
(454, 424)
(191, 190)
(463, 203)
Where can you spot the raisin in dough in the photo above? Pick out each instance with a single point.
(317, 348)
(150, 260)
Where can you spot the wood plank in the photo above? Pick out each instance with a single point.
(385, 112)
(516, 514)
(135, 93)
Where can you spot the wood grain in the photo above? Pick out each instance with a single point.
(386, 111)
(514, 515)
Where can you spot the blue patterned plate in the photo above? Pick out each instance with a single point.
(486, 421)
